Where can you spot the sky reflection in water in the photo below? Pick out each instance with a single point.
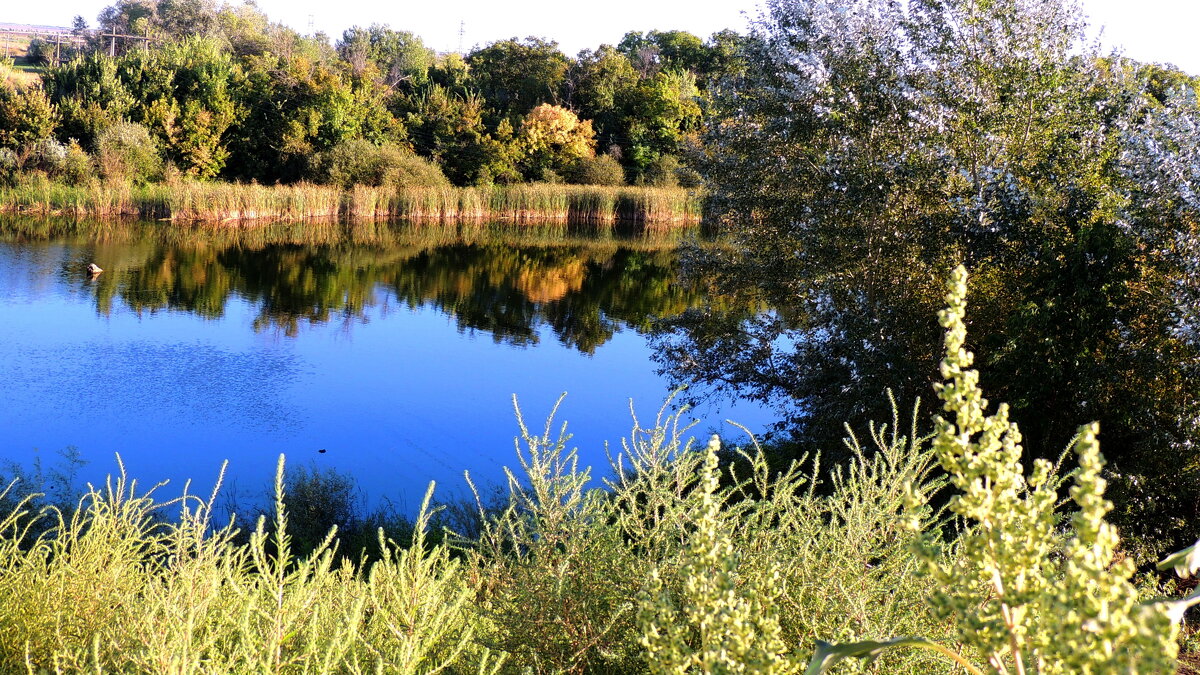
(395, 349)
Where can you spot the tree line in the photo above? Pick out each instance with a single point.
(219, 91)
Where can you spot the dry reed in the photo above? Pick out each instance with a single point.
(192, 201)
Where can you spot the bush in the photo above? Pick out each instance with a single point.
(9, 163)
(360, 162)
(688, 177)
(663, 172)
(67, 162)
(1018, 587)
(26, 117)
(126, 151)
(579, 579)
(78, 166)
(39, 52)
(598, 170)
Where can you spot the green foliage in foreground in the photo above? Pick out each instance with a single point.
(1023, 595)
(681, 565)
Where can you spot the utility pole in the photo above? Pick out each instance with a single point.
(112, 46)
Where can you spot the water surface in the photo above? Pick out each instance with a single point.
(396, 349)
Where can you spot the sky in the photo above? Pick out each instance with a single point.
(1148, 30)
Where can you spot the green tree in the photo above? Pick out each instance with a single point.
(873, 149)
(175, 19)
(296, 107)
(597, 83)
(90, 95)
(399, 57)
(659, 113)
(25, 117)
(655, 50)
(514, 75)
(180, 91)
(449, 129)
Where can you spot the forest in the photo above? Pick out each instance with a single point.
(218, 91)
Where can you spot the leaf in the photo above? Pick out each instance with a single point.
(828, 655)
(1185, 562)
(1177, 608)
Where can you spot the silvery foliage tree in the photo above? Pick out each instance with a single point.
(871, 146)
(1162, 159)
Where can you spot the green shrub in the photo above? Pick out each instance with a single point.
(598, 170)
(9, 165)
(26, 117)
(127, 151)
(68, 162)
(78, 166)
(662, 172)
(1020, 594)
(360, 162)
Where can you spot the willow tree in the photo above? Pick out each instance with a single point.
(870, 146)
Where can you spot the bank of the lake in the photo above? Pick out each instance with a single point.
(221, 202)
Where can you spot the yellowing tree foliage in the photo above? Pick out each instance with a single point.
(553, 138)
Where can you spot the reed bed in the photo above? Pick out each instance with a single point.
(46, 198)
(209, 202)
(191, 201)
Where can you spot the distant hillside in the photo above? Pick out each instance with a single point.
(32, 28)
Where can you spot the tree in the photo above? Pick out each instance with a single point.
(160, 18)
(181, 91)
(296, 107)
(597, 83)
(25, 117)
(869, 150)
(656, 50)
(659, 113)
(514, 75)
(90, 95)
(449, 129)
(400, 57)
(553, 139)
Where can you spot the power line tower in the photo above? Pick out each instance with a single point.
(311, 22)
(462, 29)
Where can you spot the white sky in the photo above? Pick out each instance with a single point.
(1149, 30)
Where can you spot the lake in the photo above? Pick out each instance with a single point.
(389, 352)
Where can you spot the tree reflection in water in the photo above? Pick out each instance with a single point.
(505, 280)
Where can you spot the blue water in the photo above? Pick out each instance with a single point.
(398, 386)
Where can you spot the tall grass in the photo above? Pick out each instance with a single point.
(554, 578)
(191, 201)
(114, 588)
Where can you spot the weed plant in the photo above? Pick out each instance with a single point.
(554, 577)
(111, 587)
